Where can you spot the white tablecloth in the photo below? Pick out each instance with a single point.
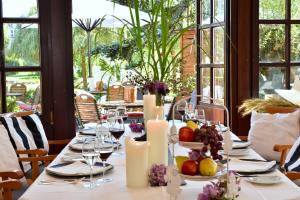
(117, 189)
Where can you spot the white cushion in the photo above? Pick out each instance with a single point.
(270, 129)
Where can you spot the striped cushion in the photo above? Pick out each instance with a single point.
(25, 133)
(292, 162)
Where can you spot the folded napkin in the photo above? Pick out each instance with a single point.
(76, 169)
(239, 145)
(250, 166)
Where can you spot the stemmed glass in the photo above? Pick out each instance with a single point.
(121, 111)
(189, 110)
(104, 146)
(117, 129)
(111, 115)
(200, 115)
(90, 156)
(181, 109)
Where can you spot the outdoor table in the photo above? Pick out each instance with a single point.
(117, 188)
(115, 104)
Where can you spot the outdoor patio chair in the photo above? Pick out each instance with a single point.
(115, 93)
(86, 108)
(18, 88)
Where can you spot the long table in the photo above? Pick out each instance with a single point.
(117, 189)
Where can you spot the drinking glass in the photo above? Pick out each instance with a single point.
(117, 129)
(121, 111)
(200, 115)
(181, 109)
(90, 156)
(189, 110)
(110, 114)
(104, 146)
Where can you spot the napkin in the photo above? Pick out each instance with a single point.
(76, 169)
(240, 145)
(250, 166)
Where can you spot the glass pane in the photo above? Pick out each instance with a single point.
(295, 42)
(23, 91)
(20, 8)
(219, 84)
(271, 43)
(295, 71)
(295, 12)
(271, 9)
(205, 81)
(205, 12)
(218, 56)
(205, 46)
(270, 78)
(219, 10)
(21, 42)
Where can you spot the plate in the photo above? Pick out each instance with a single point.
(266, 180)
(76, 169)
(77, 146)
(240, 145)
(237, 152)
(203, 178)
(191, 145)
(90, 131)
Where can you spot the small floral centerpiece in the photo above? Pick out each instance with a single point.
(160, 89)
(157, 175)
(221, 190)
(136, 127)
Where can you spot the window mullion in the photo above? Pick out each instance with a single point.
(288, 44)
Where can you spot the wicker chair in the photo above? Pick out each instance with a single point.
(115, 93)
(18, 88)
(86, 108)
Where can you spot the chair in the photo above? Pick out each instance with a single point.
(283, 148)
(86, 108)
(9, 183)
(36, 156)
(18, 88)
(115, 93)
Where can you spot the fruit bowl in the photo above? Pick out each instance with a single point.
(221, 171)
(192, 145)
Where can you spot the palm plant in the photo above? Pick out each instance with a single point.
(157, 41)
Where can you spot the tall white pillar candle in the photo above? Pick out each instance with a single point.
(149, 105)
(157, 135)
(137, 154)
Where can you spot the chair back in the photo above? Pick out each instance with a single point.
(86, 108)
(115, 93)
(18, 88)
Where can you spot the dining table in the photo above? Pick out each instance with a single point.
(121, 103)
(117, 189)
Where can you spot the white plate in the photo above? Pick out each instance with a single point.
(90, 131)
(240, 145)
(267, 180)
(237, 152)
(203, 178)
(191, 145)
(76, 169)
(78, 146)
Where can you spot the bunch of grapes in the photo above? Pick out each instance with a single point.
(210, 137)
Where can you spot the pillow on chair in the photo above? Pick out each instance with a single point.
(26, 132)
(292, 161)
(270, 129)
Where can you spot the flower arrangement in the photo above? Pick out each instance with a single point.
(157, 175)
(136, 128)
(160, 89)
(221, 190)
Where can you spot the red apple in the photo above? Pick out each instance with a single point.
(186, 134)
(189, 167)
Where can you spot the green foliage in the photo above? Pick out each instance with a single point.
(11, 104)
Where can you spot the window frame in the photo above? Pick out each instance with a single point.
(25, 68)
(211, 65)
(287, 64)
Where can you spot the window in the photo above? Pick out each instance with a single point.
(20, 61)
(211, 48)
(278, 31)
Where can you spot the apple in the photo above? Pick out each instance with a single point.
(189, 167)
(186, 134)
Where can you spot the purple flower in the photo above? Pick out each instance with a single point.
(136, 128)
(211, 191)
(157, 87)
(156, 175)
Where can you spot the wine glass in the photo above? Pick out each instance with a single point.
(111, 114)
(90, 156)
(189, 110)
(121, 111)
(200, 115)
(117, 129)
(104, 146)
(181, 109)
